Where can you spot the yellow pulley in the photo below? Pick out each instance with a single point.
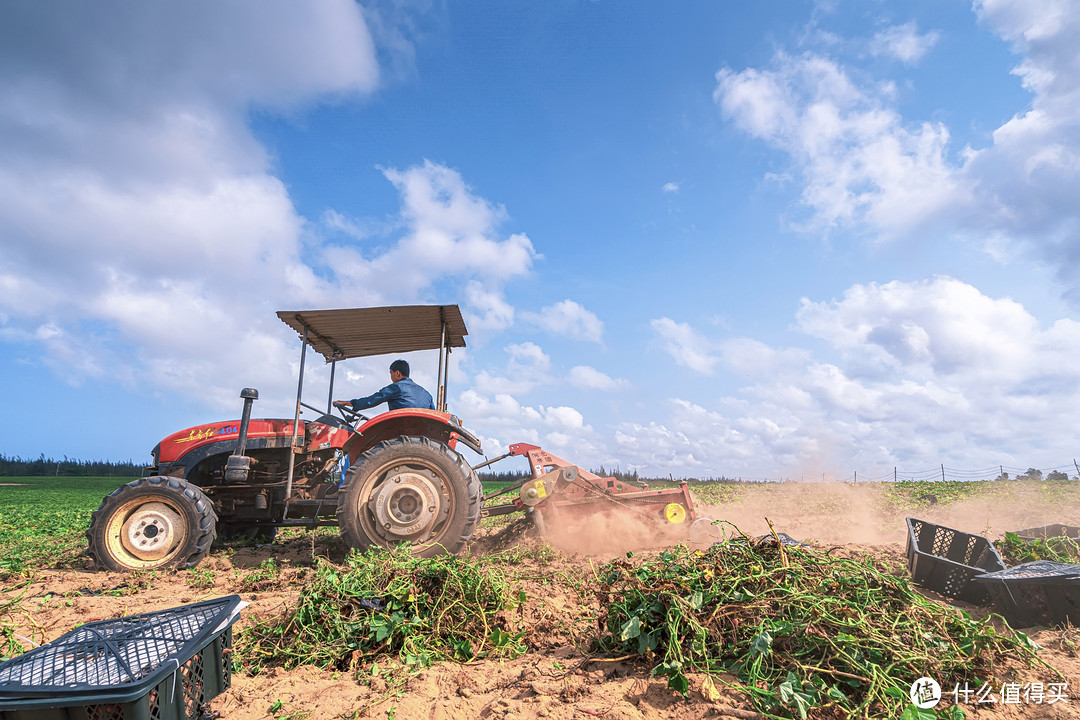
(674, 513)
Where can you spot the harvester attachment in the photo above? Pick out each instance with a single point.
(557, 492)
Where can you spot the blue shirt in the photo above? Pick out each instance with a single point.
(402, 394)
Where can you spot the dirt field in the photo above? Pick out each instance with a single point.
(556, 678)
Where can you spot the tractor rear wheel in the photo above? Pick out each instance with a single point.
(152, 522)
(413, 490)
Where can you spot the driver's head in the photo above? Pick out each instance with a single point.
(399, 369)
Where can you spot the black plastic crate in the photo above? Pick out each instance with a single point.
(1036, 593)
(784, 539)
(1046, 532)
(946, 560)
(164, 665)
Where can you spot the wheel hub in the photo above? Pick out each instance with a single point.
(406, 505)
(152, 531)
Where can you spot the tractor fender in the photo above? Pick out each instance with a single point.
(440, 426)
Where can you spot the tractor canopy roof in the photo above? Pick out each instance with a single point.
(362, 332)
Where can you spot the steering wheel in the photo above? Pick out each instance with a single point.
(344, 408)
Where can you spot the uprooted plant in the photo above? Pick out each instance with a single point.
(390, 603)
(1016, 550)
(797, 628)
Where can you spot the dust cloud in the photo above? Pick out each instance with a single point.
(845, 513)
(826, 513)
(613, 531)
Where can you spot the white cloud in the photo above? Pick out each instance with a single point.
(335, 221)
(686, 346)
(583, 376)
(142, 221)
(451, 227)
(504, 420)
(501, 409)
(911, 374)
(929, 329)
(752, 358)
(1030, 176)
(528, 357)
(527, 367)
(486, 309)
(448, 231)
(161, 89)
(862, 165)
(858, 160)
(563, 417)
(135, 204)
(671, 187)
(904, 42)
(569, 319)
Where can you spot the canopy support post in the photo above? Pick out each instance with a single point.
(330, 397)
(440, 402)
(296, 423)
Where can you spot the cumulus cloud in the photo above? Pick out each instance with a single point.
(448, 231)
(904, 42)
(929, 329)
(144, 234)
(686, 346)
(858, 161)
(1030, 176)
(583, 376)
(498, 409)
(527, 367)
(671, 187)
(505, 420)
(919, 372)
(569, 319)
(528, 357)
(564, 418)
(451, 227)
(861, 165)
(135, 204)
(486, 308)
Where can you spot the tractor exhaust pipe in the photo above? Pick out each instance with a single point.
(250, 395)
(238, 465)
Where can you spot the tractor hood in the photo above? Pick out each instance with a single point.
(223, 437)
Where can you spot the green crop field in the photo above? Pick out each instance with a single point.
(42, 519)
(797, 631)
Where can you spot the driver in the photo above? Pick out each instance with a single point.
(400, 393)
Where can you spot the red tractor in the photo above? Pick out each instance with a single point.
(394, 478)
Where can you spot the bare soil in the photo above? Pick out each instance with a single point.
(556, 679)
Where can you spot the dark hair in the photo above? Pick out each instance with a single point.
(401, 366)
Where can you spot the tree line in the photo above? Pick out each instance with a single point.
(15, 466)
(517, 476)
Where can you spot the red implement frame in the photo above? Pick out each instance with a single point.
(559, 489)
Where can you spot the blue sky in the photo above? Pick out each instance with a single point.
(700, 238)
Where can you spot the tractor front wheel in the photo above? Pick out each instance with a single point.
(412, 490)
(152, 522)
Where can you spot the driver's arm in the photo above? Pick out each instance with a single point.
(388, 393)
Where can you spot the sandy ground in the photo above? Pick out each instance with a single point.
(555, 679)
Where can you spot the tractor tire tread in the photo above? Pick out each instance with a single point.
(204, 510)
(473, 488)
